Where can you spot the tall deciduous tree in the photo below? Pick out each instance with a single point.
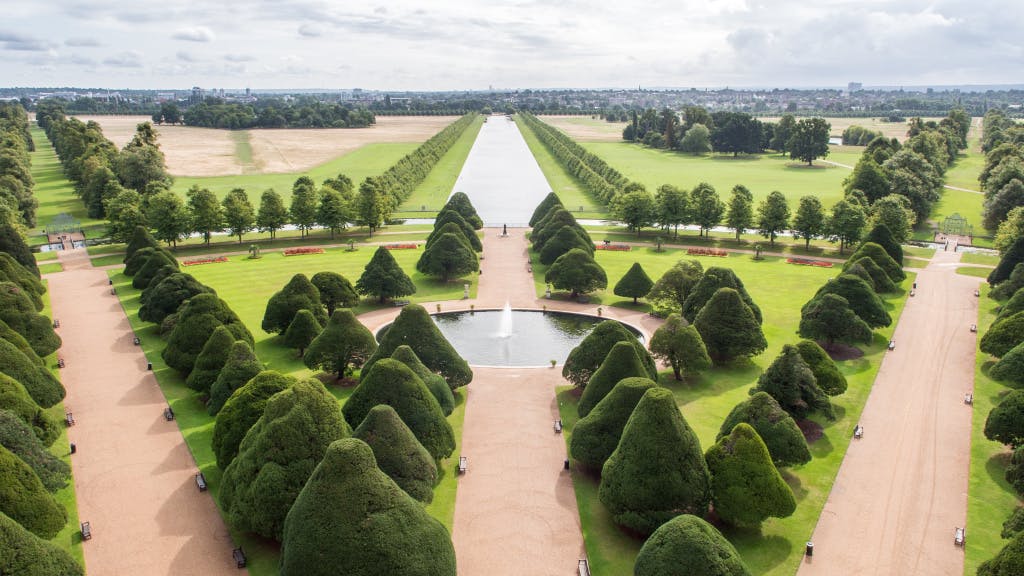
(672, 206)
(740, 216)
(238, 213)
(783, 132)
(272, 215)
(773, 215)
(207, 213)
(696, 140)
(168, 216)
(333, 212)
(809, 222)
(636, 210)
(303, 210)
(846, 223)
(680, 346)
(809, 140)
(670, 291)
(372, 205)
(706, 207)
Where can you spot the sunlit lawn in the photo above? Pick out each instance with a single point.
(54, 192)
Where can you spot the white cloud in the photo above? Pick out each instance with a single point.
(126, 59)
(310, 30)
(194, 34)
(82, 42)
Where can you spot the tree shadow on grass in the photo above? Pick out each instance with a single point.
(714, 382)
(995, 466)
(795, 484)
(759, 552)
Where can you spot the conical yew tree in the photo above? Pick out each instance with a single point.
(414, 328)
(398, 453)
(240, 366)
(621, 362)
(241, 410)
(785, 442)
(685, 546)
(746, 487)
(434, 382)
(210, 360)
(596, 435)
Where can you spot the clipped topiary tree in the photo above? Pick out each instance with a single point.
(298, 294)
(18, 312)
(545, 206)
(680, 346)
(860, 272)
(395, 384)
(460, 202)
(880, 281)
(791, 383)
(709, 283)
(621, 362)
(466, 231)
(590, 353)
(881, 257)
(342, 344)
(210, 360)
(449, 257)
(595, 436)
(1007, 562)
(240, 366)
(669, 293)
(11, 271)
(384, 278)
(277, 457)
(25, 554)
(20, 439)
(860, 297)
(160, 300)
(1005, 423)
(829, 319)
(577, 272)
(826, 373)
(14, 398)
(1015, 470)
(241, 410)
(1003, 336)
(882, 236)
(1010, 368)
(302, 331)
(335, 291)
(1012, 306)
(398, 453)
(564, 240)
(414, 328)
(635, 283)
(1010, 286)
(195, 322)
(133, 263)
(6, 333)
(687, 545)
(24, 499)
(1014, 255)
(746, 488)
(1014, 524)
(657, 471)
(141, 238)
(785, 442)
(434, 382)
(152, 266)
(729, 328)
(38, 381)
(382, 532)
(13, 243)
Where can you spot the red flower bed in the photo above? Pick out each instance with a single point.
(306, 250)
(614, 247)
(210, 260)
(808, 262)
(706, 252)
(412, 246)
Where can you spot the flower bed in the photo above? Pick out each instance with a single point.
(306, 250)
(411, 246)
(808, 262)
(706, 252)
(614, 247)
(210, 260)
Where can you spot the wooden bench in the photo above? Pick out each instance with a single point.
(56, 323)
(463, 464)
(201, 481)
(239, 557)
(168, 413)
(959, 536)
(136, 341)
(86, 531)
(60, 362)
(558, 425)
(974, 327)
(969, 398)
(584, 567)
(911, 292)
(892, 344)
(977, 292)
(69, 419)
(858, 431)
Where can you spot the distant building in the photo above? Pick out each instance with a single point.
(854, 87)
(197, 95)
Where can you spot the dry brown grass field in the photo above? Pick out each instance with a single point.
(211, 152)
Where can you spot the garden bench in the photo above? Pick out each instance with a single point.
(584, 567)
(239, 557)
(858, 431)
(69, 419)
(399, 303)
(86, 531)
(892, 344)
(136, 341)
(977, 292)
(969, 398)
(201, 482)
(974, 327)
(959, 535)
(463, 464)
(911, 292)
(558, 425)
(60, 362)
(56, 323)
(113, 290)
(168, 413)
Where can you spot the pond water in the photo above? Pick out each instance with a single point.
(521, 338)
(501, 176)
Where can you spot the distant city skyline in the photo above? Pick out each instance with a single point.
(451, 45)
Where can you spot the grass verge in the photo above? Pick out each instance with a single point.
(433, 192)
(568, 189)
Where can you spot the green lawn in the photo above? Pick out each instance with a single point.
(243, 150)
(572, 195)
(705, 401)
(54, 192)
(968, 166)
(369, 160)
(918, 252)
(247, 285)
(761, 173)
(50, 268)
(974, 258)
(990, 499)
(433, 192)
(725, 240)
(975, 271)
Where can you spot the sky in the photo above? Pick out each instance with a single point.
(504, 44)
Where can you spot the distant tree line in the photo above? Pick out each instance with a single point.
(17, 204)
(215, 113)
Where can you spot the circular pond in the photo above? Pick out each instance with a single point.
(516, 337)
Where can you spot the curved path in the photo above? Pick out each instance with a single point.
(134, 476)
(902, 489)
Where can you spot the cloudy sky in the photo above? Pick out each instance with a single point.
(453, 44)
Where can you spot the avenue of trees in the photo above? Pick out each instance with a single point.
(17, 203)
